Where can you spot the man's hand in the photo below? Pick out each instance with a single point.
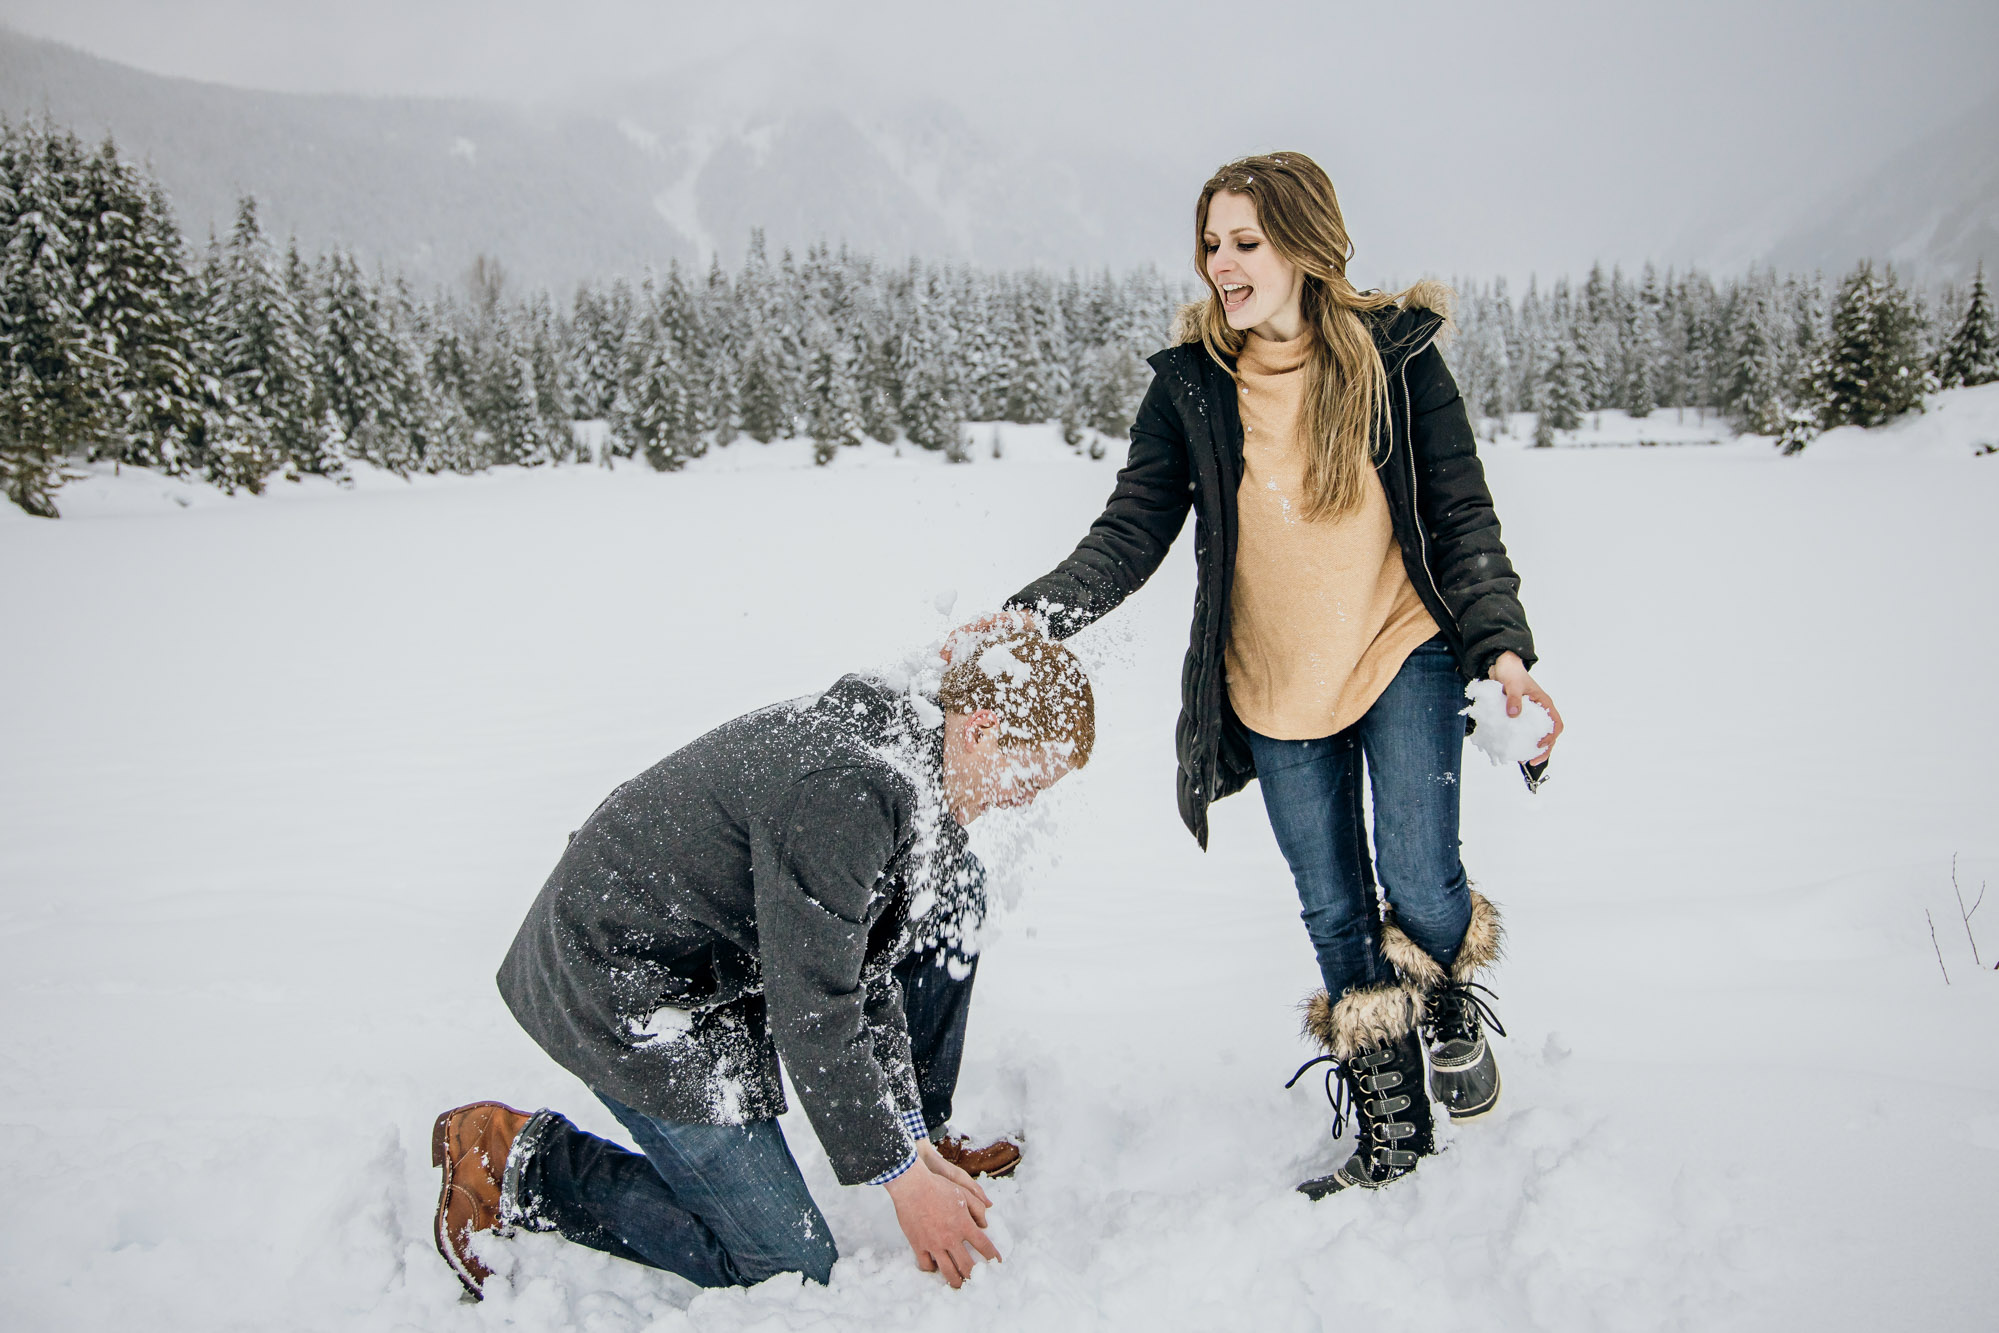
(1511, 672)
(987, 626)
(941, 1211)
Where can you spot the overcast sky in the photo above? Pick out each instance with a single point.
(1478, 138)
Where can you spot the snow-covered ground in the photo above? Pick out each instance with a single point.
(281, 775)
(1963, 421)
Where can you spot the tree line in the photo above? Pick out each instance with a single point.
(242, 362)
(1778, 355)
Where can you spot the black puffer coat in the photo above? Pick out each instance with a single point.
(1186, 452)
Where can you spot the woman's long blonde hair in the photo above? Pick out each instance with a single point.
(1345, 385)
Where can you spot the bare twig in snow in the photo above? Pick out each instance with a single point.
(1967, 915)
(1933, 944)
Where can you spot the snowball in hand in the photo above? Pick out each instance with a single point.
(1505, 740)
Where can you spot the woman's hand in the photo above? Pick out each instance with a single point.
(1511, 672)
(988, 626)
(941, 1212)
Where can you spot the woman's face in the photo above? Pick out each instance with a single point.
(1259, 287)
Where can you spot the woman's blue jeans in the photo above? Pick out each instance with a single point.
(1412, 740)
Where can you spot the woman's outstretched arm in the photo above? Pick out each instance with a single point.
(1130, 538)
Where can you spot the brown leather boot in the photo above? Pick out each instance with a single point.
(996, 1159)
(471, 1145)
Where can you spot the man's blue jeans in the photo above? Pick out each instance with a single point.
(724, 1205)
(721, 1205)
(1412, 740)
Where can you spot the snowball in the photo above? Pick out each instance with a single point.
(945, 600)
(998, 661)
(928, 715)
(1505, 740)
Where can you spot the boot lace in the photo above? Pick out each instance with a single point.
(1360, 1090)
(1336, 1089)
(1453, 1013)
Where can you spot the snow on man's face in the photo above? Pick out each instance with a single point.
(983, 773)
(1259, 288)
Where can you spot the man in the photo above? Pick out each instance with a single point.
(744, 901)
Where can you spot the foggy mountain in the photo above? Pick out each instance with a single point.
(638, 176)
(768, 135)
(1932, 210)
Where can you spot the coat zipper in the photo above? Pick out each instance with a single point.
(1416, 513)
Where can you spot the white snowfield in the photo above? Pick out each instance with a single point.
(281, 775)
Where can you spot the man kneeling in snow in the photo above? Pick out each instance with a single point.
(744, 900)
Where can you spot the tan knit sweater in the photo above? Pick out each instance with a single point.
(1324, 614)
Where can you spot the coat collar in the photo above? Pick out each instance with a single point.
(1399, 333)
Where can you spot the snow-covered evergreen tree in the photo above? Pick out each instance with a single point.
(267, 356)
(760, 397)
(1042, 352)
(1872, 369)
(55, 371)
(1756, 389)
(930, 411)
(1562, 397)
(1110, 384)
(717, 367)
(834, 405)
(656, 414)
(1972, 354)
(546, 355)
(364, 369)
(133, 272)
(1645, 348)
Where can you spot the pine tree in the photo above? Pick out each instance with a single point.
(511, 411)
(834, 411)
(546, 355)
(1755, 396)
(449, 386)
(362, 369)
(266, 355)
(1110, 384)
(231, 448)
(1562, 398)
(1645, 349)
(717, 371)
(929, 409)
(655, 415)
(56, 374)
(1872, 369)
(1972, 354)
(761, 396)
(132, 275)
(1042, 353)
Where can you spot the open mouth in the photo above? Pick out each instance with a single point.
(1235, 295)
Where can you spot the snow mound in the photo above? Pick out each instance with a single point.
(1956, 423)
(1505, 740)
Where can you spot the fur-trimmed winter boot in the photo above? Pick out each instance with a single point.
(1463, 1075)
(1370, 1041)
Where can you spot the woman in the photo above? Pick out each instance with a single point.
(1351, 579)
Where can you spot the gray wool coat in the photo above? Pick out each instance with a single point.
(741, 902)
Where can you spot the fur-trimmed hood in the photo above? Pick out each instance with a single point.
(1422, 313)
